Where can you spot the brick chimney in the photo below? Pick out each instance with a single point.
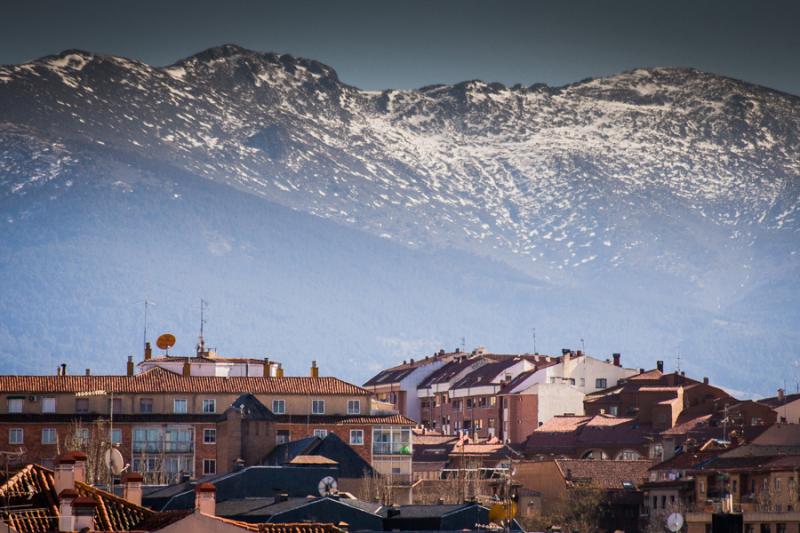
(64, 475)
(80, 466)
(660, 366)
(617, 359)
(205, 498)
(266, 367)
(132, 487)
(129, 366)
(66, 518)
(314, 369)
(781, 395)
(705, 381)
(148, 351)
(279, 371)
(83, 510)
(187, 368)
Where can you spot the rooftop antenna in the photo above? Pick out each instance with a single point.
(201, 343)
(534, 341)
(678, 363)
(147, 304)
(583, 346)
(463, 344)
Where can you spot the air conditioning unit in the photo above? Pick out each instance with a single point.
(33, 398)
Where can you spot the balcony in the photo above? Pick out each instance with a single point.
(144, 446)
(393, 448)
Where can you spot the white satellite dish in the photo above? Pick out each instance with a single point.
(115, 462)
(675, 522)
(327, 486)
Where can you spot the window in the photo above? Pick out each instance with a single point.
(209, 406)
(387, 440)
(279, 407)
(492, 401)
(357, 437)
(209, 467)
(116, 436)
(317, 407)
(353, 407)
(583, 382)
(15, 405)
(777, 485)
(179, 406)
(146, 405)
(83, 435)
(470, 403)
(49, 436)
(81, 405)
(321, 433)
(209, 436)
(282, 437)
(655, 502)
(478, 424)
(600, 383)
(15, 436)
(116, 403)
(48, 405)
(613, 410)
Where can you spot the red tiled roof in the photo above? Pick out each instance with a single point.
(34, 486)
(603, 474)
(347, 420)
(158, 380)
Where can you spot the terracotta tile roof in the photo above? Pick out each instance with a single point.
(603, 474)
(776, 402)
(346, 420)
(565, 434)
(160, 380)
(34, 487)
(312, 460)
(687, 460)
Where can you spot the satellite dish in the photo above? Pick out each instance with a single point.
(115, 462)
(675, 522)
(327, 486)
(166, 341)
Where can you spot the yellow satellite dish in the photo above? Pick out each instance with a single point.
(502, 511)
(166, 341)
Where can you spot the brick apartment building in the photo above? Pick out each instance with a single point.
(168, 424)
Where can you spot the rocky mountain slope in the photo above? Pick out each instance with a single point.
(661, 203)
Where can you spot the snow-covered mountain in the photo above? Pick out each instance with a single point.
(663, 193)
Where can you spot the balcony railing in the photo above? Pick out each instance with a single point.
(387, 448)
(146, 446)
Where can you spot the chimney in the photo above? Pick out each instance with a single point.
(63, 369)
(279, 371)
(64, 475)
(580, 353)
(148, 351)
(617, 359)
(129, 372)
(411, 361)
(781, 395)
(187, 368)
(132, 490)
(83, 508)
(705, 381)
(80, 466)
(205, 499)
(660, 366)
(314, 369)
(66, 518)
(267, 372)
(58, 371)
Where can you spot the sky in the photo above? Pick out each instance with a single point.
(377, 45)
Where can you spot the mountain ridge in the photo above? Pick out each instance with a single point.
(671, 181)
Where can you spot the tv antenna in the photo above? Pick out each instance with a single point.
(463, 344)
(147, 304)
(678, 363)
(583, 345)
(534, 341)
(201, 343)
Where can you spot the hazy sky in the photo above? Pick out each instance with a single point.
(404, 44)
